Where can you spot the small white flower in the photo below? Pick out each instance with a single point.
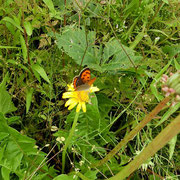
(54, 128)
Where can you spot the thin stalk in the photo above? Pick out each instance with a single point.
(134, 132)
(68, 141)
(131, 61)
(159, 141)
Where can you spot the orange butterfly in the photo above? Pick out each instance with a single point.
(83, 82)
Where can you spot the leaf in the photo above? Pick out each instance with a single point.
(91, 174)
(138, 38)
(168, 113)
(41, 72)
(157, 79)
(177, 65)
(171, 50)
(6, 105)
(24, 48)
(28, 28)
(17, 145)
(165, 1)
(75, 45)
(10, 20)
(3, 135)
(50, 5)
(5, 173)
(172, 144)
(115, 58)
(29, 99)
(63, 177)
(8, 47)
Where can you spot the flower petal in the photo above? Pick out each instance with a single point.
(83, 106)
(72, 105)
(68, 95)
(70, 87)
(78, 107)
(94, 89)
(70, 101)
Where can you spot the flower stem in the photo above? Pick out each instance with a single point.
(69, 140)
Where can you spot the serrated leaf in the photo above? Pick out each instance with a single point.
(29, 99)
(114, 57)
(75, 45)
(41, 72)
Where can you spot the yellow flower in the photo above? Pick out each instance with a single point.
(79, 98)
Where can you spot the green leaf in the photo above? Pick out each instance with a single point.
(75, 45)
(157, 79)
(63, 177)
(10, 20)
(177, 65)
(168, 113)
(115, 58)
(50, 5)
(6, 105)
(172, 144)
(41, 72)
(24, 48)
(8, 47)
(28, 28)
(138, 38)
(5, 173)
(91, 174)
(171, 50)
(29, 99)
(3, 135)
(165, 1)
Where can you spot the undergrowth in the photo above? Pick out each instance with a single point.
(128, 46)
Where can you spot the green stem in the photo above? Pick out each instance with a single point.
(133, 133)
(159, 141)
(68, 141)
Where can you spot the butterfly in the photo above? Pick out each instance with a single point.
(83, 82)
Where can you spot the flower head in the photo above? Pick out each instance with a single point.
(171, 85)
(79, 98)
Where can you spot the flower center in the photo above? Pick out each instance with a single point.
(83, 96)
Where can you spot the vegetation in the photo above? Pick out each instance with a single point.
(129, 130)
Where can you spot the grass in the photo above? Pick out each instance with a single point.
(128, 45)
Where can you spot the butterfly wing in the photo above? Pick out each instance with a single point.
(85, 75)
(77, 82)
(83, 81)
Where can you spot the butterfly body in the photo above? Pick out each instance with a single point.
(83, 82)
